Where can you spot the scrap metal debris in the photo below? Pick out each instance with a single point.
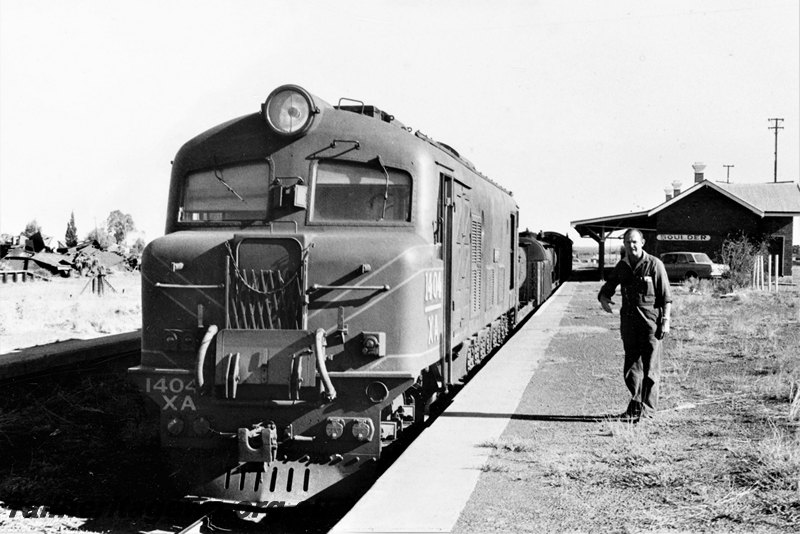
(34, 258)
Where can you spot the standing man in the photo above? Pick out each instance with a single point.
(644, 321)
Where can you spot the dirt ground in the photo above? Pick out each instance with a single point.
(35, 313)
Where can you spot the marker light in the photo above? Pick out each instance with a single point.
(289, 110)
(175, 426)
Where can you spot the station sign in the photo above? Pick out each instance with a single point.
(683, 237)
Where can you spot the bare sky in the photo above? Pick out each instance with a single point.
(581, 108)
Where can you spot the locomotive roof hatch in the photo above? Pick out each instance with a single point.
(367, 110)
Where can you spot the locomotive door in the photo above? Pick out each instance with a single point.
(457, 220)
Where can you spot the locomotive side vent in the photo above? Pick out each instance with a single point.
(476, 258)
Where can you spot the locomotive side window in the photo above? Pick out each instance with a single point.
(353, 192)
(226, 194)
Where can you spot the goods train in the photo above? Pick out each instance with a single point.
(325, 273)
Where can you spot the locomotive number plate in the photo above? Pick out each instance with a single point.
(176, 393)
(434, 291)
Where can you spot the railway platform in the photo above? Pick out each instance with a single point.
(73, 353)
(555, 370)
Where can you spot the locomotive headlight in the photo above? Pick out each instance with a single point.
(289, 110)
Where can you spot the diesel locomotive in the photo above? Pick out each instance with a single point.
(324, 274)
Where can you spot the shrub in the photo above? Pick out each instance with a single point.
(739, 254)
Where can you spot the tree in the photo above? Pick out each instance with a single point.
(138, 246)
(102, 238)
(71, 237)
(119, 224)
(32, 228)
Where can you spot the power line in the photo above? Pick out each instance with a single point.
(776, 128)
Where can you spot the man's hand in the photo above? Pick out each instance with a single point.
(606, 303)
(662, 329)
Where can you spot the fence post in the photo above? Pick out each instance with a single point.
(777, 263)
(769, 273)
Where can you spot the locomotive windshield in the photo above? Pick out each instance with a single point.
(353, 192)
(226, 194)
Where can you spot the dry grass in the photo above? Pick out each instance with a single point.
(514, 444)
(723, 454)
(728, 438)
(41, 312)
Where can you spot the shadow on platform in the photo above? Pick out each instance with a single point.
(589, 275)
(533, 417)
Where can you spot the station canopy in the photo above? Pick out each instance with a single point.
(600, 228)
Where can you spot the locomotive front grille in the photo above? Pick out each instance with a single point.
(263, 300)
(265, 287)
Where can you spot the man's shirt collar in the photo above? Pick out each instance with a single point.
(641, 260)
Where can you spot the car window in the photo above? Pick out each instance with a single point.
(668, 258)
(702, 258)
(681, 258)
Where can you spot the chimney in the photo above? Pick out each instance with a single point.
(676, 188)
(668, 193)
(698, 172)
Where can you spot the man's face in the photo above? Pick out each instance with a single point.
(633, 245)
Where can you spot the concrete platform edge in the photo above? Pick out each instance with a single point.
(426, 489)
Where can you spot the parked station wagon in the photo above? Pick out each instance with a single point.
(685, 265)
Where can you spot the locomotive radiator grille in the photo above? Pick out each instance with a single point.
(476, 259)
(263, 300)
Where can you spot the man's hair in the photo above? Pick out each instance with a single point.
(630, 231)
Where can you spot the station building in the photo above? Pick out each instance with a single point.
(700, 218)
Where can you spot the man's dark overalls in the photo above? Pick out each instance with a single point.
(645, 289)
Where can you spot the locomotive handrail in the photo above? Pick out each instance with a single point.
(319, 349)
(201, 355)
(316, 287)
(190, 286)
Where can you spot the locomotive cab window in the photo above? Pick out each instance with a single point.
(356, 192)
(237, 193)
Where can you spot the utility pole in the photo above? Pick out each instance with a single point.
(728, 169)
(776, 128)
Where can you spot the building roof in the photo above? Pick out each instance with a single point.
(766, 199)
(771, 199)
